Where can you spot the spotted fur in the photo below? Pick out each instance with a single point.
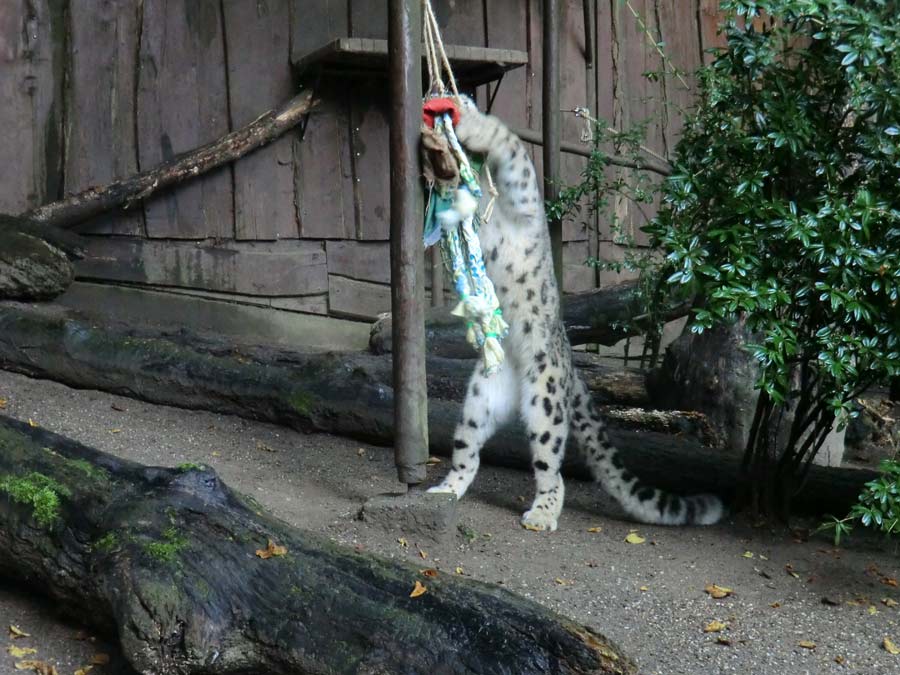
(538, 381)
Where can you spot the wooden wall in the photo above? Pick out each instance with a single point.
(92, 90)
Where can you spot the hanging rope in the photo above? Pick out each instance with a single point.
(451, 217)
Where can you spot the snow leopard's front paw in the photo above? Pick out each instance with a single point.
(539, 519)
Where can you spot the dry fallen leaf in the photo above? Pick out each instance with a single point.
(714, 627)
(634, 538)
(806, 644)
(563, 582)
(100, 659)
(432, 461)
(890, 647)
(84, 671)
(644, 589)
(889, 581)
(19, 652)
(529, 526)
(840, 660)
(775, 605)
(430, 572)
(423, 554)
(271, 549)
(16, 632)
(460, 570)
(595, 530)
(762, 557)
(32, 423)
(40, 667)
(115, 431)
(889, 602)
(723, 641)
(872, 609)
(747, 554)
(403, 542)
(216, 453)
(717, 591)
(790, 570)
(3, 403)
(418, 589)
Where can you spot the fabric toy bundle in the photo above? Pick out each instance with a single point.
(451, 218)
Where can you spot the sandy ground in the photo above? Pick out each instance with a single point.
(649, 597)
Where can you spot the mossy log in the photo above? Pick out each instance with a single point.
(35, 260)
(344, 394)
(167, 560)
(603, 316)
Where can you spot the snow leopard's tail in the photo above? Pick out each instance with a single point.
(641, 501)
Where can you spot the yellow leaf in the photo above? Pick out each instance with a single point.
(16, 632)
(40, 667)
(714, 627)
(840, 660)
(3, 403)
(432, 461)
(115, 431)
(418, 589)
(762, 557)
(747, 554)
(717, 591)
(423, 554)
(595, 530)
(216, 453)
(271, 549)
(460, 570)
(100, 659)
(430, 572)
(563, 582)
(529, 526)
(403, 542)
(890, 647)
(806, 644)
(84, 671)
(644, 589)
(361, 452)
(889, 602)
(19, 652)
(872, 609)
(634, 538)
(32, 423)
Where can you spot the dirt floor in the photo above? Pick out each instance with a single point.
(798, 604)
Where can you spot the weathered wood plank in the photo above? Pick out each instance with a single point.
(31, 77)
(183, 103)
(369, 145)
(323, 168)
(577, 276)
(315, 23)
(708, 28)
(366, 261)
(259, 76)
(507, 28)
(573, 94)
(357, 299)
(461, 21)
(100, 104)
(283, 269)
(368, 18)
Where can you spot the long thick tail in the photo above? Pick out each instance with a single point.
(641, 501)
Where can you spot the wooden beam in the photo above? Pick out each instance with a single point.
(552, 128)
(407, 252)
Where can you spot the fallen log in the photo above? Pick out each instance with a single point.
(604, 316)
(173, 562)
(126, 192)
(35, 261)
(344, 394)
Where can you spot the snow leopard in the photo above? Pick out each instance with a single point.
(537, 381)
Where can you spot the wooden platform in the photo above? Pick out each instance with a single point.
(364, 57)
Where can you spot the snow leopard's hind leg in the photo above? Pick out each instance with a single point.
(545, 411)
(641, 501)
(490, 402)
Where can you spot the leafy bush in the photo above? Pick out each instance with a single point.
(784, 208)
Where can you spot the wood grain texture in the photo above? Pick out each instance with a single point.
(357, 299)
(32, 39)
(369, 145)
(183, 103)
(264, 269)
(100, 104)
(257, 38)
(315, 23)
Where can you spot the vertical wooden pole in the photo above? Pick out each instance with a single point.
(551, 125)
(407, 253)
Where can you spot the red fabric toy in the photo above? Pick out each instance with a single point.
(439, 106)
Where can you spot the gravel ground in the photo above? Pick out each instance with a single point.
(787, 588)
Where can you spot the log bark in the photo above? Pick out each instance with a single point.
(344, 394)
(603, 316)
(166, 559)
(96, 200)
(35, 261)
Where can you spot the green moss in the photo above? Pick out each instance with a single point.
(168, 548)
(40, 491)
(106, 543)
(89, 470)
(190, 466)
(301, 401)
